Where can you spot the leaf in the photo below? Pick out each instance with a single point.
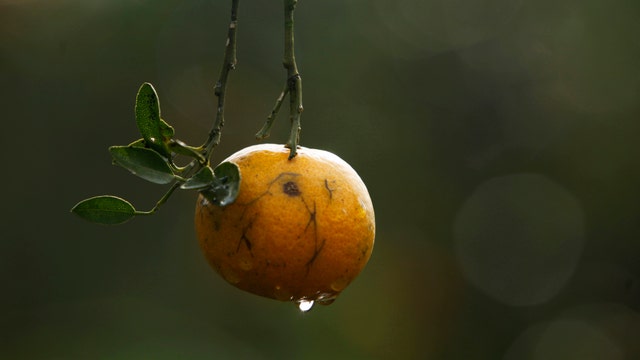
(153, 129)
(201, 180)
(106, 209)
(143, 162)
(138, 143)
(225, 186)
(166, 130)
(181, 148)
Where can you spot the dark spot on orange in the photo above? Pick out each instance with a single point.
(291, 188)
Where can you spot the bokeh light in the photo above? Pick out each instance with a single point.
(519, 238)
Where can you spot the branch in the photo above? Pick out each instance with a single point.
(228, 64)
(265, 131)
(294, 81)
(293, 85)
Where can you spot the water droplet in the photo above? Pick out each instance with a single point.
(326, 301)
(304, 305)
(326, 298)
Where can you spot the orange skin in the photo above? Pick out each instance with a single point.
(300, 229)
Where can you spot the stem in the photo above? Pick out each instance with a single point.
(163, 199)
(294, 81)
(266, 128)
(292, 87)
(202, 154)
(228, 64)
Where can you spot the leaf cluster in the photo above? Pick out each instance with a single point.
(152, 158)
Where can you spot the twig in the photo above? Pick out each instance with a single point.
(292, 87)
(294, 80)
(228, 64)
(265, 131)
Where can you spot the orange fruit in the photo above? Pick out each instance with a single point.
(300, 230)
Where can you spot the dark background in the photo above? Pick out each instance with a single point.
(498, 140)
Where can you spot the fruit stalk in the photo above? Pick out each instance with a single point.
(228, 64)
(294, 81)
(292, 87)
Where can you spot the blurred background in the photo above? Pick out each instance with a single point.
(498, 140)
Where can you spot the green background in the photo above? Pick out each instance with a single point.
(498, 140)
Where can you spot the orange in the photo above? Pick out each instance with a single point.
(300, 230)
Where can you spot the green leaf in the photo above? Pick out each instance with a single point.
(201, 180)
(143, 162)
(153, 129)
(166, 130)
(225, 186)
(181, 148)
(138, 143)
(106, 209)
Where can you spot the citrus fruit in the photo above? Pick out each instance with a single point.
(300, 230)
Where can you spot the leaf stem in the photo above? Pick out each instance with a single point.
(163, 199)
(229, 63)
